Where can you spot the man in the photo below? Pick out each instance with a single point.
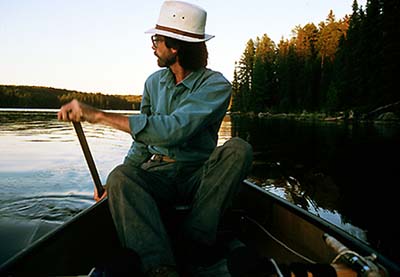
(173, 158)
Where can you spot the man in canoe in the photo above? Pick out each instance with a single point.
(174, 158)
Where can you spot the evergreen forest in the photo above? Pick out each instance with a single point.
(340, 66)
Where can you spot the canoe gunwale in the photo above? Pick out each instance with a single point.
(349, 241)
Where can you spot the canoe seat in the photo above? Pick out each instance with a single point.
(174, 216)
(182, 207)
(176, 213)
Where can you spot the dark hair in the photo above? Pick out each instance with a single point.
(192, 55)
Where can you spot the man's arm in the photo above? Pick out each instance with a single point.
(77, 111)
(206, 102)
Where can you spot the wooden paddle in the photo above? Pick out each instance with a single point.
(89, 158)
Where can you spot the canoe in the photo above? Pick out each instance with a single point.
(260, 230)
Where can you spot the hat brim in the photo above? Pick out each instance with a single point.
(178, 36)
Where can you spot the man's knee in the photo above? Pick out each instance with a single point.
(120, 178)
(241, 148)
(115, 181)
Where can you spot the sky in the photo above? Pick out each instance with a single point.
(101, 45)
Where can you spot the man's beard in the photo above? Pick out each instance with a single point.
(166, 62)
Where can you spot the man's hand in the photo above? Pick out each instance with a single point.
(77, 111)
(96, 194)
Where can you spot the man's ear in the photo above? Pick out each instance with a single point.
(174, 50)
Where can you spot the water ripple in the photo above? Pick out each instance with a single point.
(53, 208)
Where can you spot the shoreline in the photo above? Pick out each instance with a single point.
(388, 117)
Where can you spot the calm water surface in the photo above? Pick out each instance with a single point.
(342, 173)
(43, 172)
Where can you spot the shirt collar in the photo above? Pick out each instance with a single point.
(188, 82)
(192, 78)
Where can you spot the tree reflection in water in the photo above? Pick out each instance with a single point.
(344, 173)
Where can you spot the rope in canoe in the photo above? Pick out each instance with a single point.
(278, 241)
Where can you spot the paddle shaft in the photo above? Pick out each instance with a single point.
(89, 158)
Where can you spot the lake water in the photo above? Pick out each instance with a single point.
(43, 172)
(346, 174)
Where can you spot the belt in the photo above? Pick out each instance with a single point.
(162, 158)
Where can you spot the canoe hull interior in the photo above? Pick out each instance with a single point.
(77, 246)
(267, 215)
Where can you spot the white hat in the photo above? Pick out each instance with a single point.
(182, 21)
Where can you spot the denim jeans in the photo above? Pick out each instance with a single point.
(136, 195)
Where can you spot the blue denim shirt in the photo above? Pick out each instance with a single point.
(179, 120)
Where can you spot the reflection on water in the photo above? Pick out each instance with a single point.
(344, 173)
(225, 130)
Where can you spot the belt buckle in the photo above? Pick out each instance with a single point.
(157, 158)
(161, 158)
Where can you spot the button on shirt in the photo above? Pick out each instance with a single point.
(179, 120)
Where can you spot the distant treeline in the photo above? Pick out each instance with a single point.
(46, 97)
(346, 65)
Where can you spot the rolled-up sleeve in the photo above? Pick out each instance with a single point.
(137, 123)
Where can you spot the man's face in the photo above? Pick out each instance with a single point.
(166, 56)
